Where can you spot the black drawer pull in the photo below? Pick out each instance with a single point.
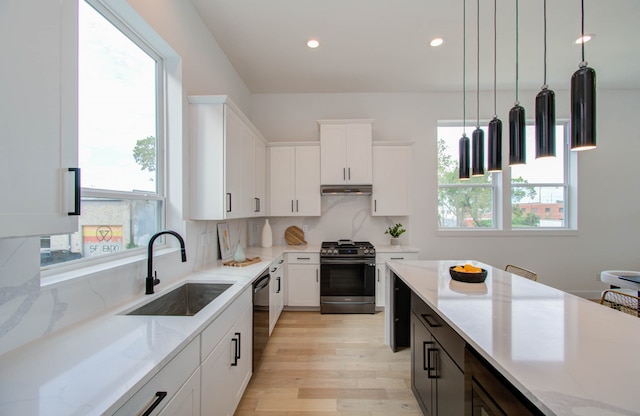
(432, 363)
(430, 320)
(159, 397)
(426, 363)
(77, 192)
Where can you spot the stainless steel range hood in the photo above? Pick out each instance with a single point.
(346, 189)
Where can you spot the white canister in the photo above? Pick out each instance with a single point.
(267, 236)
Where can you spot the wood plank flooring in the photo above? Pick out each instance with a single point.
(330, 365)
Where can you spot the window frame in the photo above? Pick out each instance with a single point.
(502, 203)
(168, 146)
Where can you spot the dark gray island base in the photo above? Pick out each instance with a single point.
(447, 376)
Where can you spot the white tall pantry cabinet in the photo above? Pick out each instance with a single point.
(39, 117)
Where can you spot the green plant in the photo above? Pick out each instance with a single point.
(395, 231)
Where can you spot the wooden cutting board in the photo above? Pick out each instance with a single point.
(294, 236)
(247, 262)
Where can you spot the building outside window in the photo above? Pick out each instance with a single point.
(120, 143)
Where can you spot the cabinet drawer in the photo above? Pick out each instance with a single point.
(212, 335)
(303, 258)
(276, 265)
(382, 258)
(168, 380)
(452, 343)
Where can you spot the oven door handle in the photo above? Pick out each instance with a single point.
(368, 262)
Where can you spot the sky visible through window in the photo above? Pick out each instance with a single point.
(117, 105)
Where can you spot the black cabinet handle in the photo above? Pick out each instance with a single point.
(430, 320)
(77, 191)
(237, 348)
(228, 202)
(432, 363)
(349, 173)
(396, 258)
(160, 395)
(278, 279)
(297, 210)
(292, 205)
(257, 204)
(426, 364)
(344, 174)
(375, 205)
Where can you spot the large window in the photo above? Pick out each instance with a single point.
(538, 191)
(120, 143)
(462, 203)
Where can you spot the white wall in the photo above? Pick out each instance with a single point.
(609, 203)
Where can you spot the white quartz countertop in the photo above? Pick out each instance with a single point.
(94, 367)
(567, 355)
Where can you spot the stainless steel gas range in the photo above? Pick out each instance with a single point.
(347, 277)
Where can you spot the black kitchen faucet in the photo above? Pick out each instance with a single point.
(152, 278)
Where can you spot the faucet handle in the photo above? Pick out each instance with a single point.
(155, 278)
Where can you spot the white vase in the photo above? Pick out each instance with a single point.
(395, 241)
(267, 236)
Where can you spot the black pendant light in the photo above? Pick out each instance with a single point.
(463, 143)
(494, 163)
(545, 110)
(583, 103)
(517, 120)
(477, 138)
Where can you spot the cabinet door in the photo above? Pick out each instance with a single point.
(260, 178)
(333, 154)
(249, 204)
(186, 402)
(282, 172)
(303, 285)
(422, 369)
(276, 298)
(39, 117)
(358, 148)
(391, 180)
(235, 202)
(307, 183)
(450, 383)
(227, 370)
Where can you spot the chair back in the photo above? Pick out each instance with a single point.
(520, 271)
(621, 301)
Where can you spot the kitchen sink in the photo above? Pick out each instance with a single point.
(186, 300)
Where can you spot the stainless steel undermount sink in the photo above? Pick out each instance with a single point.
(186, 300)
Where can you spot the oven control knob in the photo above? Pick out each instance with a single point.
(323, 251)
(366, 251)
(372, 251)
(335, 251)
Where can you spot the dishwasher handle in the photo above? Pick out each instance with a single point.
(261, 283)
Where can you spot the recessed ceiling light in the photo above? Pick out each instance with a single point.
(436, 42)
(313, 43)
(584, 39)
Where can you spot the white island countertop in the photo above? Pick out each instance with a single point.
(567, 355)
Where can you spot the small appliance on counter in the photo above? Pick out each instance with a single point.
(347, 277)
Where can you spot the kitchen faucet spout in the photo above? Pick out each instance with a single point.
(152, 278)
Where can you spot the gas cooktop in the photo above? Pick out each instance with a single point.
(347, 248)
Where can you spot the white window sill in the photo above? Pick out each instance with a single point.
(61, 274)
(540, 232)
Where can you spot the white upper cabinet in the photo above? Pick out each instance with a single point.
(345, 147)
(294, 180)
(227, 161)
(39, 117)
(391, 179)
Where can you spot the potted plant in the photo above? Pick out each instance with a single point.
(395, 232)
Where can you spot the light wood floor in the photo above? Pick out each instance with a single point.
(330, 365)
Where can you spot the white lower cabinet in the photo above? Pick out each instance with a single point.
(381, 260)
(186, 402)
(303, 279)
(276, 296)
(172, 391)
(227, 370)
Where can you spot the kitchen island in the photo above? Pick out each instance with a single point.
(563, 354)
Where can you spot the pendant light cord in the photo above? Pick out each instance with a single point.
(495, 56)
(478, 65)
(517, 34)
(583, 63)
(544, 86)
(464, 67)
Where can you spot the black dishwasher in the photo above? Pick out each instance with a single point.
(260, 316)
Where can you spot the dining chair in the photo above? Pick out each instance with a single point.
(520, 271)
(621, 301)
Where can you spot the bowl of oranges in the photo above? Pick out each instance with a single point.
(468, 273)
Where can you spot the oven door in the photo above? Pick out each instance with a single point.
(347, 285)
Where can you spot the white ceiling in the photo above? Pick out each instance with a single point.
(383, 45)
